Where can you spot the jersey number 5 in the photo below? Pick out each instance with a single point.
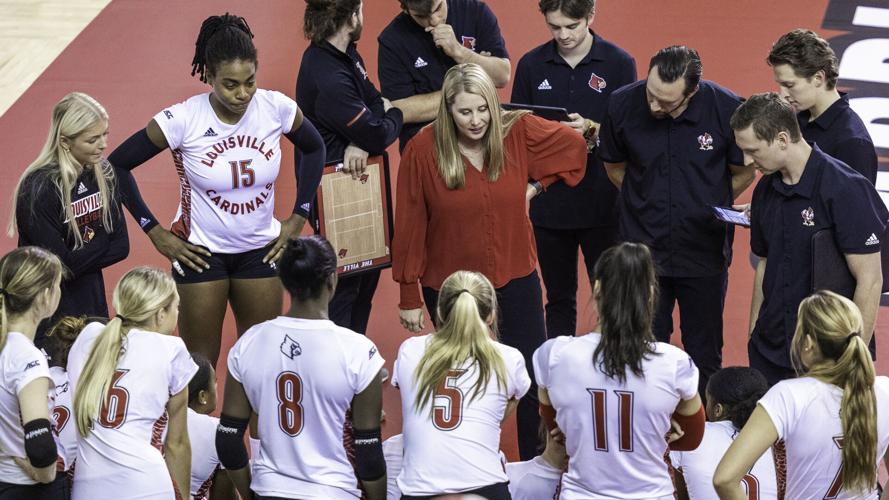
(447, 403)
(290, 395)
(114, 409)
(600, 420)
(242, 173)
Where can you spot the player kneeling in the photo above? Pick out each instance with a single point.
(732, 394)
(301, 373)
(457, 386)
(614, 393)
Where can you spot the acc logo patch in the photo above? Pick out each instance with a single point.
(290, 347)
(468, 42)
(597, 83)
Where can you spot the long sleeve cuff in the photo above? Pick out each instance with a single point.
(411, 298)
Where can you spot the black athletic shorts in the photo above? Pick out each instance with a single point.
(245, 265)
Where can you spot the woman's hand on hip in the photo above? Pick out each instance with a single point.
(179, 251)
(290, 230)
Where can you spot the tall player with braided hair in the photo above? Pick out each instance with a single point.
(732, 394)
(128, 378)
(457, 386)
(29, 293)
(833, 419)
(225, 144)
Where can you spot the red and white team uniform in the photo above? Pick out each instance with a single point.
(612, 426)
(454, 446)
(300, 376)
(533, 479)
(227, 172)
(699, 465)
(204, 461)
(118, 455)
(393, 453)
(806, 412)
(63, 424)
(20, 364)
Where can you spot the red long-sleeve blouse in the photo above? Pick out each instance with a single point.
(483, 226)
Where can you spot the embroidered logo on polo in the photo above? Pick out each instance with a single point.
(88, 234)
(705, 141)
(361, 69)
(808, 217)
(468, 42)
(81, 189)
(290, 347)
(597, 83)
(544, 85)
(210, 132)
(873, 240)
(420, 63)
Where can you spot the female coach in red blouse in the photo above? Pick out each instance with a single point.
(461, 204)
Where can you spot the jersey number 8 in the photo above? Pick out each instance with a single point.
(290, 394)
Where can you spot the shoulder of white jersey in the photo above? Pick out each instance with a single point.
(414, 345)
(59, 375)
(881, 384)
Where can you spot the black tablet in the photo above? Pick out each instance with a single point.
(547, 112)
(732, 216)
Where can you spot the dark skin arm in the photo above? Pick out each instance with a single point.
(167, 243)
(236, 405)
(366, 407)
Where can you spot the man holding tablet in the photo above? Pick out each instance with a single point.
(576, 70)
(802, 191)
(667, 144)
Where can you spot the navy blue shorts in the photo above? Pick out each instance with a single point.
(223, 266)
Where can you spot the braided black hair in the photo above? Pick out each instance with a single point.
(222, 38)
(306, 264)
(737, 389)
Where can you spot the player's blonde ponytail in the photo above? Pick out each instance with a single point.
(466, 312)
(71, 116)
(834, 323)
(24, 273)
(138, 297)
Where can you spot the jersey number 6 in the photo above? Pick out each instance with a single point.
(447, 403)
(114, 409)
(600, 421)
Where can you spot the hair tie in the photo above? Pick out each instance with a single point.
(2, 291)
(464, 290)
(852, 336)
(123, 319)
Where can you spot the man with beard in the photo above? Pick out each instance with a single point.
(419, 46)
(667, 145)
(355, 121)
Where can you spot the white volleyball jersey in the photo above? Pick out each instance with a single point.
(612, 426)
(63, 425)
(227, 172)
(699, 465)
(300, 376)
(533, 479)
(118, 454)
(20, 364)
(204, 461)
(806, 413)
(453, 446)
(393, 453)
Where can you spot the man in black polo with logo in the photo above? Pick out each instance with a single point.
(334, 91)
(667, 145)
(806, 70)
(802, 191)
(576, 70)
(429, 36)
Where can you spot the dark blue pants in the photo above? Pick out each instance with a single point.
(521, 325)
(557, 255)
(59, 489)
(701, 301)
(352, 300)
(499, 491)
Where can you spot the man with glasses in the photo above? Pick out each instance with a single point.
(667, 145)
